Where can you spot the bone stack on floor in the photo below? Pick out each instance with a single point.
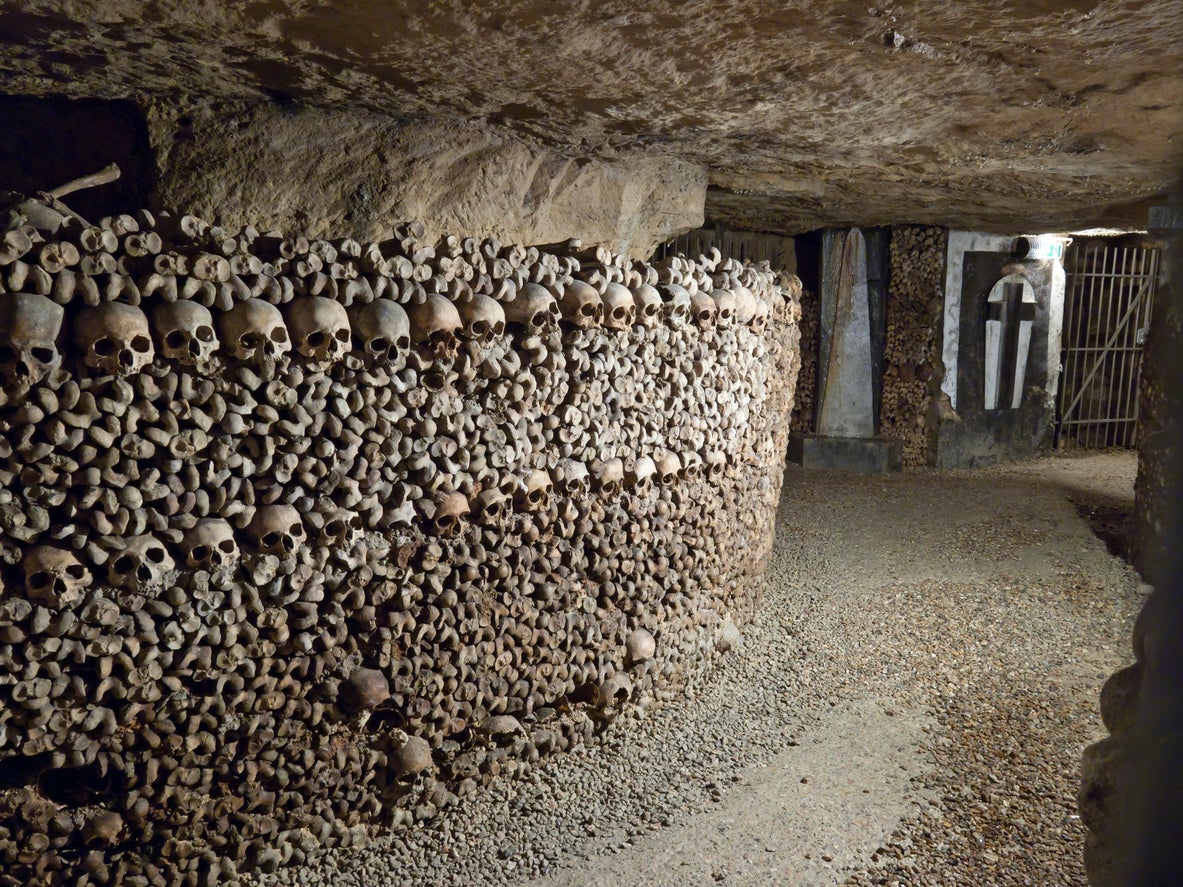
(299, 536)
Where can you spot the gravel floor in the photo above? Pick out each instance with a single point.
(908, 708)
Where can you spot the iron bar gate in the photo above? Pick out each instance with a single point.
(1107, 308)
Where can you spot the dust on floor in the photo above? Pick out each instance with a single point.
(956, 628)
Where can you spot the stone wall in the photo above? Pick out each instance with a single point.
(300, 536)
(1131, 784)
(349, 173)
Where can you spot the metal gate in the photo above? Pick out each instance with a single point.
(1107, 307)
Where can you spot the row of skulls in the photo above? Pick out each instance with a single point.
(56, 577)
(119, 339)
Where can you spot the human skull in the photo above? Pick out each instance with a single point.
(276, 529)
(29, 328)
(620, 309)
(745, 304)
(716, 464)
(648, 301)
(581, 305)
(185, 331)
(725, 307)
(254, 332)
(760, 318)
(703, 310)
(668, 467)
(434, 327)
(608, 475)
(482, 317)
(490, 505)
(534, 493)
(574, 476)
(141, 565)
(320, 329)
(54, 576)
(692, 467)
(211, 546)
(383, 329)
(677, 305)
(449, 515)
(640, 478)
(114, 338)
(534, 309)
(341, 529)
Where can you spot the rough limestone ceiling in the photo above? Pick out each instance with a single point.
(1001, 115)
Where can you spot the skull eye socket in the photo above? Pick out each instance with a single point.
(378, 344)
(342, 335)
(141, 344)
(42, 355)
(270, 540)
(199, 552)
(403, 343)
(480, 328)
(205, 334)
(227, 545)
(297, 530)
(315, 339)
(104, 347)
(540, 318)
(76, 571)
(155, 554)
(279, 334)
(250, 340)
(588, 309)
(335, 528)
(177, 339)
(40, 579)
(124, 564)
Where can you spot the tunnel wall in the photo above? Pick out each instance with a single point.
(1131, 786)
(331, 173)
(292, 544)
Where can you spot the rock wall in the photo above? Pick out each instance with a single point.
(300, 536)
(349, 173)
(912, 366)
(1131, 783)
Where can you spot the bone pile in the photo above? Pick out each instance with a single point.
(304, 536)
(912, 367)
(806, 392)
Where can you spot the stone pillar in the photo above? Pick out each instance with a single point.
(850, 359)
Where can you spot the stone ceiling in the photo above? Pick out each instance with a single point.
(1028, 115)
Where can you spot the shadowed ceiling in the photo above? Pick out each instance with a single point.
(988, 115)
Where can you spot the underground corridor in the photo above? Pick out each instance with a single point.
(575, 444)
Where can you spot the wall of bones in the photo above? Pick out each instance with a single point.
(299, 536)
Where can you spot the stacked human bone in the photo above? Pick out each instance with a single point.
(300, 536)
(912, 368)
(805, 395)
